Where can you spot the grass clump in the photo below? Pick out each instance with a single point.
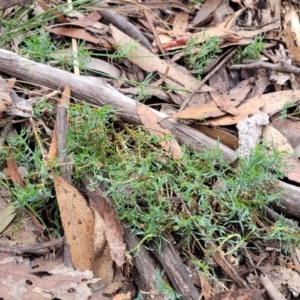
(198, 57)
(252, 51)
(38, 46)
(199, 196)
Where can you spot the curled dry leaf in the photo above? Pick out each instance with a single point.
(78, 223)
(17, 281)
(250, 107)
(113, 228)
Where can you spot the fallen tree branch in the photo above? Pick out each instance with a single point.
(282, 66)
(96, 91)
(8, 3)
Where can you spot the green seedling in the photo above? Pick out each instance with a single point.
(38, 46)
(252, 51)
(197, 56)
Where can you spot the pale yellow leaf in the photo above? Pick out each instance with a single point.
(78, 223)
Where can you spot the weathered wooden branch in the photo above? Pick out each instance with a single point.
(8, 3)
(96, 91)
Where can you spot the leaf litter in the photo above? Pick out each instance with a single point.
(89, 221)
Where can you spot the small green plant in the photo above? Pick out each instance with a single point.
(38, 46)
(252, 51)
(198, 57)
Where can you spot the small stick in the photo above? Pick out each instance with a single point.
(22, 249)
(282, 66)
(213, 71)
(157, 40)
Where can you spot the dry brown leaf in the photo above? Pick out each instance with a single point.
(78, 223)
(223, 136)
(206, 291)
(198, 112)
(12, 167)
(5, 101)
(250, 107)
(289, 40)
(122, 296)
(205, 12)
(282, 276)
(6, 216)
(53, 152)
(152, 63)
(103, 266)
(272, 136)
(59, 17)
(228, 102)
(274, 102)
(113, 228)
(180, 23)
(240, 294)
(99, 234)
(18, 282)
(87, 20)
(149, 119)
(76, 33)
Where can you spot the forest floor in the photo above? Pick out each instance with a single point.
(149, 150)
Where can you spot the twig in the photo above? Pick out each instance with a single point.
(8, 3)
(62, 125)
(22, 249)
(213, 71)
(74, 48)
(156, 37)
(282, 66)
(272, 290)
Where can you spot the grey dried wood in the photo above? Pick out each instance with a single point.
(64, 160)
(142, 261)
(177, 272)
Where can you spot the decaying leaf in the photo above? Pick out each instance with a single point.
(17, 281)
(180, 23)
(282, 276)
(250, 107)
(77, 33)
(78, 223)
(103, 266)
(240, 294)
(228, 102)
(113, 228)
(103, 263)
(274, 102)
(5, 101)
(12, 167)
(274, 137)
(6, 216)
(152, 63)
